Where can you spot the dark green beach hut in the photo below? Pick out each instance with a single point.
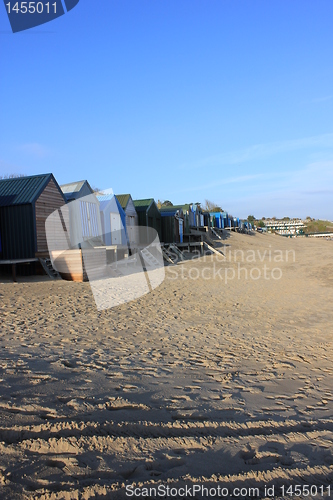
(148, 214)
(25, 204)
(172, 224)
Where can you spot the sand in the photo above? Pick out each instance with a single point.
(207, 380)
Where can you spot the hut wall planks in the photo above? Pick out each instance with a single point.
(49, 200)
(17, 232)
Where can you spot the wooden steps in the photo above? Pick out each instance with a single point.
(48, 268)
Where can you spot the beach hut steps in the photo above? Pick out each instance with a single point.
(48, 268)
(212, 249)
(149, 258)
(215, 233)
(166, 256)
(176, 250)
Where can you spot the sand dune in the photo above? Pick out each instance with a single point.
(206, 380)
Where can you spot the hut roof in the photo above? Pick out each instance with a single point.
(23, 190)
(186, 207)
(73, 188)
(123, 199)
(172, 210)
(105, 197)
(143, 205)
(104, 200)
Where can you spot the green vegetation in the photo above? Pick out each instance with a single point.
(251, 218)
(166, 203)
(318, 226)
(261, 223)
(11, 176)
(210, 206)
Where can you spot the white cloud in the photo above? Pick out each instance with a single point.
(260, 151)
(218, 182)
(306, 191)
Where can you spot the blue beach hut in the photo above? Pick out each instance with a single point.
(193, 213)
(199, 217)
(131, 217)
(206, 218)
(113, 220)
(216, 219)
(224, 216)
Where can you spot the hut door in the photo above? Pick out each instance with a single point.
(131, 229)
(89, 224)
(130, 233)
(115, 228)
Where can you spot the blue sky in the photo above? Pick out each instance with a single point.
(183, 100)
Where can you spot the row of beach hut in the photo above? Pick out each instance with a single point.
(98, 218)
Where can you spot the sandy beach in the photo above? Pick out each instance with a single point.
(222, 375)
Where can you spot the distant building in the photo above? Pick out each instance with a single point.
(286, 227)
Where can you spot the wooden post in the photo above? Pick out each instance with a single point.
(14, 273)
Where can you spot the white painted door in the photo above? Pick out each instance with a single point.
(115, 228)
(131, 235)
(131, 229)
